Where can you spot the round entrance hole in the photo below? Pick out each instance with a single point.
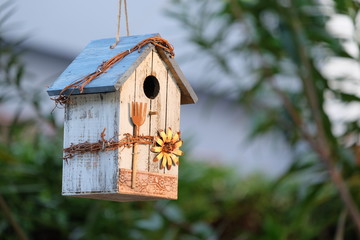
(151, 87)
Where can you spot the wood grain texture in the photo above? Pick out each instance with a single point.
(85, 119)
(173, 112)
(125, 77)
(158, 105)
(127, 96)
(142, 72)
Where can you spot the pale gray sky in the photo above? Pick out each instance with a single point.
(67, 25)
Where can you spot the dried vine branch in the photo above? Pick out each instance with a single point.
(105, 66)
(106, 145)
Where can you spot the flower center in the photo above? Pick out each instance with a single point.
(168, 147)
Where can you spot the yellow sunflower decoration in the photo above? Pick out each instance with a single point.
(167, 146)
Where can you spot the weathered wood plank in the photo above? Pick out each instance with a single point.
(142, 72)
(125, 77)
(173, 112)
(158, 105)
(127, 96)
(85, 119)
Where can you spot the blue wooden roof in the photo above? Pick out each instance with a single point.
(95, 53)
(98, 51)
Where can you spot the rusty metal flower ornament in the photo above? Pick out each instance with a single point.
(167, 145)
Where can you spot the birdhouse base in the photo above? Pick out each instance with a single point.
(149, 186)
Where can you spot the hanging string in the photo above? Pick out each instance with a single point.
(127, 19)
(117, 38)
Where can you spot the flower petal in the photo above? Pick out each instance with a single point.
(176, 137)
(175, 158)
(169, 134)
(156, 149)
(178, 144)
(164, 161)
(159, 141)
(178, 152)
(163, 135)
(169, 162)
(158, 157)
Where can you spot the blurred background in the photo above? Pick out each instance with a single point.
(272, 146)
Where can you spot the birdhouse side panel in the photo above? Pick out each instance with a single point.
(173, 112)
(158, 107)
(85, 119)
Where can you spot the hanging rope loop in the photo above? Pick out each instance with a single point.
(117, 38)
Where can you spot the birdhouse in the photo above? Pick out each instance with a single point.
(120, 129)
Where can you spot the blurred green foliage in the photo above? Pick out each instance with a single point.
(214, 201)
(276, 56)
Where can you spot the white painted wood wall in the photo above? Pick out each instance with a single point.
(88, 115)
